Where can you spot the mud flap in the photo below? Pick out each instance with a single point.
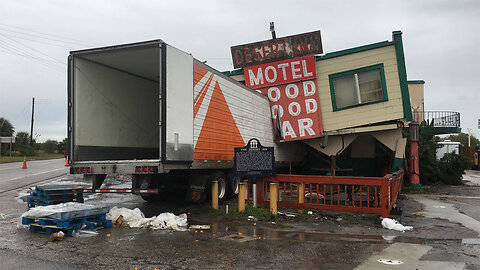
(196, 191)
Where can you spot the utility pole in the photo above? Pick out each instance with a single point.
(272, 29)
(31, 127)
(469, 136)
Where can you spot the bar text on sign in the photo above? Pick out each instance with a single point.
(290, 86)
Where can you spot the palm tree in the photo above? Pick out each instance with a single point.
(6, 128)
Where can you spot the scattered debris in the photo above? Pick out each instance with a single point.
(199, 227)
(389, 238)
(310, 212)
(314, 196)
(251, 218)
(119, 222)
(58, 236)
(339, 219)
(392, 224)
(390, 261)
(287, 214)
(84, 233)
(237, 237)
(136, 219)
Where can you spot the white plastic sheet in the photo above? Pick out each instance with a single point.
(392, 224)
(84, 233)
(65, 210)
(136, 219)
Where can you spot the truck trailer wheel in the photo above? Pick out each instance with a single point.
(146, 182)
(222, 186)
(232, 187)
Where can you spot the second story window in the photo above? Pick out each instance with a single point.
(357, 87)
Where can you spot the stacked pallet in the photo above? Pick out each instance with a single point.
(54, 194)
(66, 217)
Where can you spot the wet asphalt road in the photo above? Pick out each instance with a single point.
(12, 175)
(321, 241)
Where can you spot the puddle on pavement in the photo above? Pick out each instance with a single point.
(245, 233)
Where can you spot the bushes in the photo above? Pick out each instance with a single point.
(452, 166)
(25, 150)
(447, 170)
(49, 146)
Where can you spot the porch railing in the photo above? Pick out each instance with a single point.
(336, 193)
(437, 118)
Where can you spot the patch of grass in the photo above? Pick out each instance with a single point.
(42, 156)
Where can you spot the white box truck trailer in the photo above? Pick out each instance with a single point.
(154, 112)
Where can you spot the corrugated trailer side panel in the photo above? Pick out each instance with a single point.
(227, 115)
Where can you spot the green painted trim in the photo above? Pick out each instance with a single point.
(416, 82)
(331, 77)
(432, 130)
(354, 50)
(397, 164)
(440, 130)
(233, 72)
(402, 75)
(331, 55)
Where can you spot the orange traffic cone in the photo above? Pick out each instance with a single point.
(66, 162)
(24, 162)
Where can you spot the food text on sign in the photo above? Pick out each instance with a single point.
(290, 86)
(297, 107)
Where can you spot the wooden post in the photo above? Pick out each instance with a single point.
(334, 164)
(215, 195)
(301, 193)
(241, 197)
(246, 189)
(273, 198)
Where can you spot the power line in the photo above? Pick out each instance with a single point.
(33, 58)
(60, 62)
(39, 41)
(66, 39)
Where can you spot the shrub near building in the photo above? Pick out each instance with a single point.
(448, 170)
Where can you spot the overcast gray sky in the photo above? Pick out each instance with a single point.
(441, 43)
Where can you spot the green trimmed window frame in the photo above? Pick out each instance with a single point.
(332, 77)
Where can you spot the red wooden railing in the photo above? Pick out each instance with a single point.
(336, 193)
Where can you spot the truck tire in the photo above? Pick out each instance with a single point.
(146, 182)
(222, 186)
(233, 187)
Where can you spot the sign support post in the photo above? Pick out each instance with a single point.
(254, 190)
(254, 161)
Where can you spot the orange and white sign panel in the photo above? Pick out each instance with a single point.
(291, 88)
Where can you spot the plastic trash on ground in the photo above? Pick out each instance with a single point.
(392, 224)
(58, 236)
(199, 227)
(136, 219)
(84, 233)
